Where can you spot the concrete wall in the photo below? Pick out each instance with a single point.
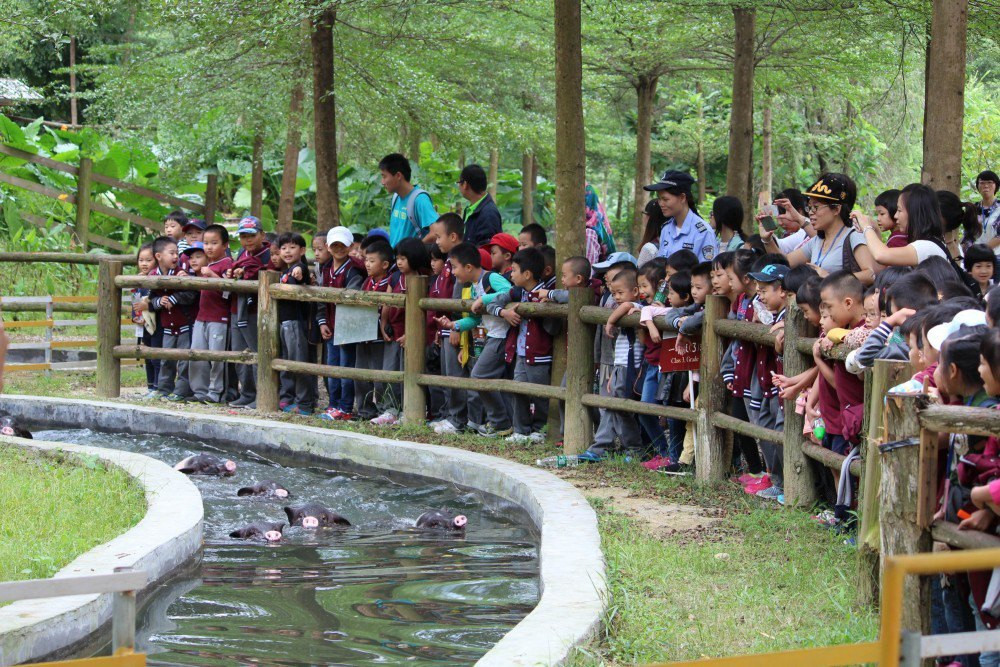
(168, 536)
(571, 565)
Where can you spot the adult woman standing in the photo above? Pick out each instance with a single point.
(918, 213)
(684, 228)
(653, 222)
(727, 219)
(836, 246)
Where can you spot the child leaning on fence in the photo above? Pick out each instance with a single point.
(369, 397)
(254, 256)
(298, 390)
(211, 327)
(529, 343)
(175, 311)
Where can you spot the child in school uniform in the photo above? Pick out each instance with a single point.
(175, 315)
(211, 326)
(432, 362)
(528, 345)
(455, 357)
(254, 257)
(298, 390)
(502, 248)
(370, 397)
(344, 271)
(767, 409)
(140, 305)
(466, 263)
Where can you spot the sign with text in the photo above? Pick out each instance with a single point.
(355, 324)
(688, 359)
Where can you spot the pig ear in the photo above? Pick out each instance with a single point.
(21, 433)
(290, 513)
(245, 491)
(236, 533)
(340, 521)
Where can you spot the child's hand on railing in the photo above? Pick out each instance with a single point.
(237, 273)
(778, 329)
(979, 520)
(900, 317)
(228, 273)
(511, 316)
(324, 331)
(297, 273)
(542, 294)
(443, 322)
(478, 307)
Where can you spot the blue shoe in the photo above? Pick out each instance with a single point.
(289, 408)
(590, 457)
(781, 499)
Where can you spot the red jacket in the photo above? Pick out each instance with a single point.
(213, 307)
(178, 319)
(537, 340)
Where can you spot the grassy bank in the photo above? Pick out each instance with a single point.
(56, 508)
(694, 570)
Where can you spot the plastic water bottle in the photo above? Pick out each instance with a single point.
(558, 461)
(819, 429)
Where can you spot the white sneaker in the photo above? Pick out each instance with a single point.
(385, 419)
(517, 439)
(536, 437)
(445, 427)
(434, 424)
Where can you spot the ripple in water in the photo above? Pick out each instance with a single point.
(378, 592)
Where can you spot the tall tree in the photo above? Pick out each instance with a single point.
(739, 168)
(293, 138)
(944, 106)
(571, 165)
(325, 121)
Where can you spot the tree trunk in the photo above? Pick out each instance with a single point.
(766, 172)
(325, 122)
(286, 202)
(494, 172)
(945, 98)
(739, 167)
(700, 159)
(571, 162)
(645, 91)
(72, 81)
(527, 190)
(414, 142)
(257, 177)
(461, 160)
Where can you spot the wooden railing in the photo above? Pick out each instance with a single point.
(123, 583)
(87, 203)
(713, 424)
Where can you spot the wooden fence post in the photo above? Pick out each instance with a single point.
(82, 226)
(800, 477)
(712, 456)
(414, 399)
(268, 342)
(898, 503)
(123, 619)
(577, 431)
(109, 330)
(211, 198)
(884, 374)
(559, 366)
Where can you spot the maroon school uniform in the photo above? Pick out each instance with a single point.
(178, 319)
(213, 306)
(745, 354)
(443, 287)
(769, 361)
(537, 341)
(252, 265)
(394, 319)
(850, 390)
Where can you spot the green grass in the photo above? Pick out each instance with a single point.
(56, 507)
(783, 583)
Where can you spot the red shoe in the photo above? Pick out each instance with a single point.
(342, 416)
(755, 487)
(748, 478)
(657, 462)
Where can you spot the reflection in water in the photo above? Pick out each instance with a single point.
(377, 592)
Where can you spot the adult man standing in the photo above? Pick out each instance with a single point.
(412, 211)
(481, 217)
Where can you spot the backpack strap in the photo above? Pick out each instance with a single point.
(848, 260)
(485, 279)
(411, 208)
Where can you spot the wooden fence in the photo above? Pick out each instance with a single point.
(888, 497)
(87, 203)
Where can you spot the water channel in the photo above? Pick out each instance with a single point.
(379, 592)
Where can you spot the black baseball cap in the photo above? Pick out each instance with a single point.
(770, 273)
(671, 180)
(829, 187)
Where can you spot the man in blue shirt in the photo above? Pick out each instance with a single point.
(684, 228)
(412, 211)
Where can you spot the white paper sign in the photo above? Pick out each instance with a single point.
(355, 324)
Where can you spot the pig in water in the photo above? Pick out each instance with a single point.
(270, 532)
(314, 515)
(8, 426)
(265, 487)
(442, 520)
(206, 464)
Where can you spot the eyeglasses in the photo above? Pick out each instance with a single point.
(810, 209)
